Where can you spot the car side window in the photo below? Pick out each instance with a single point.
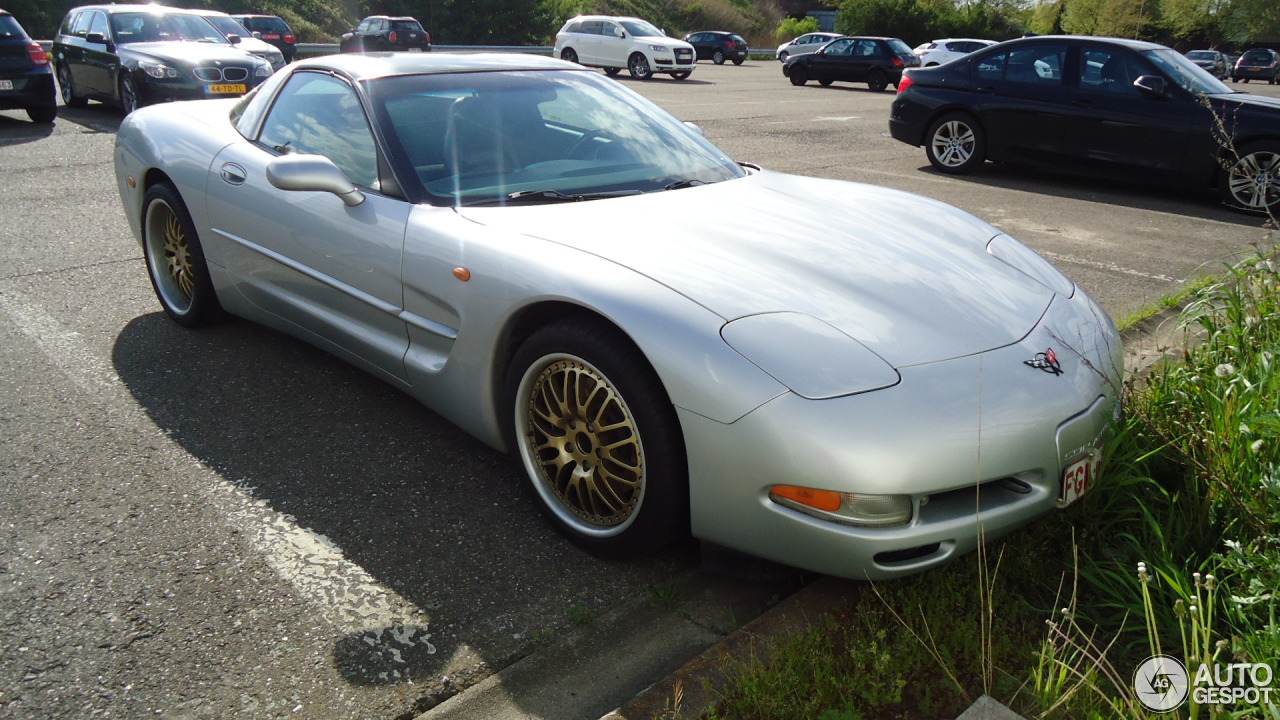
(321, 115)
(867, 48)
(839, 47)
(1109, 71)
(1035, 65)
(81, 27)
(98, 24)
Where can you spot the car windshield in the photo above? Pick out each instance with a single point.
(1188, 75)
(228, 26)
(503, 137)
(134, 27)
(642, 29)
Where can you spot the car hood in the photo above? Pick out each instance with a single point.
(908, 277)
(664, 41)
(189, 53)
(1251, 101)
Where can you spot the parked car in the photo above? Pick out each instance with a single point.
(876, 61)
(244, 39)
(135, 55)
(274, 30)
(1101, 105)
(26, 77)
(807, 43)
(1214, 62)
(648, 387)
(948, 49)
(1257, 64)
(614, 43)
(380, 33)
(718, 46)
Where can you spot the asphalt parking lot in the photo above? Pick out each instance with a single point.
(232, 524)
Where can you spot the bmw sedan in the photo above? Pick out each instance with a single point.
(842, 377)
(136, 55)
(1098, 105)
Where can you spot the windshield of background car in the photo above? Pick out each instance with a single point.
(472, 138)
(1186, 74)
(642, 29)
(156, 27)
(228, 26)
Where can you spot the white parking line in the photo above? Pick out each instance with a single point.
(309, 562)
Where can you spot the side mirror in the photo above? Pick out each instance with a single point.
(315, 173)
(96, 38)
(1152, 85)
(233, 39)
(257, 34)
(693, 127)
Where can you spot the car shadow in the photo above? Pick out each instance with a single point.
(432, 514)
(98, 117)
(1118, 191)
(16, 129)
(624, 77)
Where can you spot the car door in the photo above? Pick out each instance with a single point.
(98, 72)
(612, 46)
(832, 62)
(1022, 99)
(306, 257)
(1113, 122)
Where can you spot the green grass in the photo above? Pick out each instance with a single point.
(1055, 628)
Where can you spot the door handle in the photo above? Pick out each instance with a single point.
(233, 174)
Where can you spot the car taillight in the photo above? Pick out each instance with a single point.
(38, 55)
(393, 36)
(897, 62)
(904, 83)
(427, 36)
(288, 37)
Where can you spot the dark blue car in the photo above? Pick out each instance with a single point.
(26, 77)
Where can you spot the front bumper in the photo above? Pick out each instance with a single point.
(151, 90)
(979, 443)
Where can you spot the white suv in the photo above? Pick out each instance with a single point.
(614, 43)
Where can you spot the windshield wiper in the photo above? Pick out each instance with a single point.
(681, 184)
(557, 196)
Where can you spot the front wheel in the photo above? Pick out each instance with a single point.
(598, 439)
(1252, 182)
(955, 144)
(128, 95)
(798, 75)
(69, 97)
(717, 58)
(638, 65)
(570, 54)
(782, 56)
(877, 81)
(175, 259)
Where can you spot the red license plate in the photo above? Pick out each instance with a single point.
(1079, 477)
(271, 36)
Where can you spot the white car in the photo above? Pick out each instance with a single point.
(614, 43)
(228, 26)
(944, 51)
(805, 44)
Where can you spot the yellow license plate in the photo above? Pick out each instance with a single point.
(228, 89)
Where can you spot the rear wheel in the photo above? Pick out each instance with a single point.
(798, 75)
(571, 55)
(955, 144)
(877, 81)
(638, 64)
(68, 90)
(175, 259)
(612, 71)
(598, 439)
(681, 75)
(1252, 182)
(825, 83)
(42, 113)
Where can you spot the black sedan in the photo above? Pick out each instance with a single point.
(1099, 105)
(876, 61)
(26, 80)
(135, 55)
(718, 46)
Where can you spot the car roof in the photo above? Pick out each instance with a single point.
(610, 17)
(136, 7)
(391, 17)
(368, 66)
(1049, 39)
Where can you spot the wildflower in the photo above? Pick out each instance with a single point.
(1224, 370)
(1210, 582)
(1256, 446)
(1180, 608)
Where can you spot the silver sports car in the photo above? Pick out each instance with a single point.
(840, 377)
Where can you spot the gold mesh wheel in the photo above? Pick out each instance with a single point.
(175, 260)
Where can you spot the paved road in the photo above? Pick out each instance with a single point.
(231, 524)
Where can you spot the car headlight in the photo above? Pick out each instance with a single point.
(263, 70)
(1029, 263)
(813, 359)
(157, 70)
(845, 508)
(660, 48)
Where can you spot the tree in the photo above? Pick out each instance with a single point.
(792, 28)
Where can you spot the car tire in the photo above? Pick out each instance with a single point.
(798, 75)
(43, 114)
(598, 438)
(682, 75)
(877, 81)
(638, 65)
(68, 90)
(128, 94)
(612, 71)
(569, 54)
(175, 259)
(1252, 181)
(955, 144)
(782, 57)
(825, 82)
(717, 57)
(738, 61)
